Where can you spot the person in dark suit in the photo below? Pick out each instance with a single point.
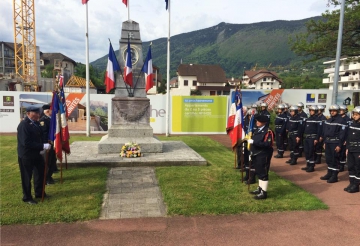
(261, 153)
(29, 145)
(45, 127)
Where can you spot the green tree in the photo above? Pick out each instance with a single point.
(320, 40)
(162, 87)
(48, 72)
(96, 75)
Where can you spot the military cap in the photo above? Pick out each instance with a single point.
(33, 109)
(262, 118)
(46, 106)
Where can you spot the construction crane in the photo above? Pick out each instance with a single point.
(25, 42)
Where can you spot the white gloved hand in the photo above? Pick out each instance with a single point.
(42, 152)
(47, 146)
(250, 141)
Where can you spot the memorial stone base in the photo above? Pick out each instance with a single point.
(130, 123)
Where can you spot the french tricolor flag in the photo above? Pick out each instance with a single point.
(55, 127)
(148, 71)
(128, 78)
(112, 67)
(235, 126)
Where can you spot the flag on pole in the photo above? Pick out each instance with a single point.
(125, 2)
(167, 4)
(128, 78)
(112, 66)
(55, 131)
(84, 1)
(235, 127)
(65, 145)
(148, 71)
(61, 80)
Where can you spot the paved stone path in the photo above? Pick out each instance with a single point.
(133, 192)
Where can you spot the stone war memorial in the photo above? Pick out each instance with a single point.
(131, 121)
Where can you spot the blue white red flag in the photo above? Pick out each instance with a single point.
(148, 71)
(61, 80)
(167, 4)
(55, 127)
(125, 2)
(128, 78)
(112, 67)
(84, 1)
(235, 127)
(65, 136)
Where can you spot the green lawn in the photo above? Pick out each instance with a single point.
(212, 189)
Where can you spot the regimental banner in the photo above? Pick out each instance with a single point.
(199, 114)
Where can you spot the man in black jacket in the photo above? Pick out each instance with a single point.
(30, 144)
(294, 127)
(261, 153)
(45, 127)
(333, 134)
(280, 130)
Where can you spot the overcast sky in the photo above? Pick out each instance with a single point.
(60, 25)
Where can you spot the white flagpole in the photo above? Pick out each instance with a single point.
(87, 76)
(128, 3)
(168, 77)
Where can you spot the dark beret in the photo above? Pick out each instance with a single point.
(33, 109)
(46, 106)
(262, 118)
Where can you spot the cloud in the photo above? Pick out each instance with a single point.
(60, 25)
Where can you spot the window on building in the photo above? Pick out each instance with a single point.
(345, 84)
(264, 79)
(267, 83)
(226, 93)
(194, 82)
(218, 93)
(6, 52)
(272, 79)
(212, 93)
(352, 84)
(186, 83)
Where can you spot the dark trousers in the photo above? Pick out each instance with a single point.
(301, 145)
(261, 163)
(309, 148)
(342, 156)
(293, 146)
(28, 166)
(332, 158)
(286, 141)
(51, 163)
(353, 162)
(279, 138)
(240, 155)
(319, 148)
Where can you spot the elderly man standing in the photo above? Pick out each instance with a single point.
(30, 144)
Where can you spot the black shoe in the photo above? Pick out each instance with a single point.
(31, 202)
(293, 162)
(45, 196)
(333, 179)
(251, 181)
(278, 156)
(256, 192)
(354, 188)
(341, 168)
(310, 170)
(347, 187)
(261, 195)
(326, 176)
(288, 161)
(300, 155)
(305, 168)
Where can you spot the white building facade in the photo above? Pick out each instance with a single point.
(349, 72)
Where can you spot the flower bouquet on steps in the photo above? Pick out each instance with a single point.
(130, 150)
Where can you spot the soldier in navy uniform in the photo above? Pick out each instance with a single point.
(249, 174)
(280, 130)
(303, 116)
(353, 152)
(264, 111)
(342, 158)
(319, 145)
(311, 136)
(286, 140)
(333, 133)
(261, 153)
(294, 128)
(29, 145)
(45, 126)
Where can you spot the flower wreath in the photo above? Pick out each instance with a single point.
(130, 150)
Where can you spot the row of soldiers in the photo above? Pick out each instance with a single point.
(338, 135)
